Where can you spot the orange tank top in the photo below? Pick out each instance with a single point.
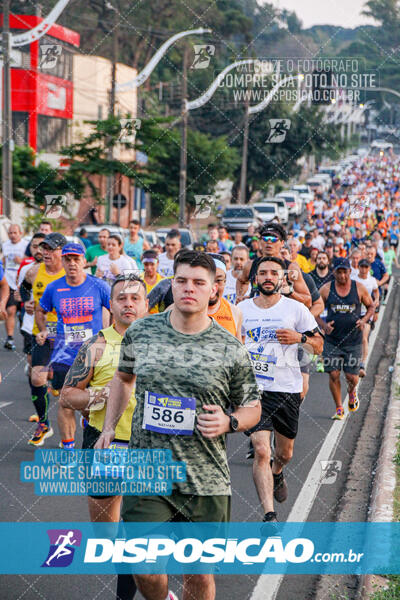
(224, 317)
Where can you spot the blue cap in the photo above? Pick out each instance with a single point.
(73, 249)
(341, 263)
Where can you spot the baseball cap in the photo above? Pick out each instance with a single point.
(341, 263)
(72, 248)
(364, 263)
(54, 240)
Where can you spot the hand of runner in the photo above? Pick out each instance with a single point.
(213, 423)
(288, 336)
(17, 295)
(329, 327)
(41, 337)
(29, 307)
(360, 324)
(114, 269)
(107, 436)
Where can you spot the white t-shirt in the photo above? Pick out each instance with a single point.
(318, 242)
(276, 366)
(10, 251)
(124, 263)
(230, 288)
(165, 265)
(370, 283)
(27, 321)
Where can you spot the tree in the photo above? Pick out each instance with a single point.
(208, 161)
(33, 182)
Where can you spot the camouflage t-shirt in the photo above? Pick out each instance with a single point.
(212, 367)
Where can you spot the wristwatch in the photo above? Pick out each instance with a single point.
(303, 338)
(291, 290)
(234, 423)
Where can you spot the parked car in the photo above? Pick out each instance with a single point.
(302, 188)
(315, 184)
(326, 181)
(187, 236)
(267, 210)
(305, 192)
(149, 236)
(237, 217)
(283, 210)
(93, 231)
(293, 201)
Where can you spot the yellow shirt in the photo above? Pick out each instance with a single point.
(42, 280)
(303, 263)
(103, 373)
(149, 286)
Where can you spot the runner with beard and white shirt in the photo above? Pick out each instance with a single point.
(273, 326)
(240, 255)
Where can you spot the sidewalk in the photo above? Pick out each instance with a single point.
(382, 498)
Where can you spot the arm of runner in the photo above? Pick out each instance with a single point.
(300, 289)
(4, 293)
(238, 318)
(368, 303)
(317, 307)
(75, 394)
(242, 282)
(40, 318)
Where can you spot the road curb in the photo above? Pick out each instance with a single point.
(381, 502)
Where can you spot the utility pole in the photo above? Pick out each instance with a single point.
(110, 153)
(7, 182)
(183, 161)
(243, 172)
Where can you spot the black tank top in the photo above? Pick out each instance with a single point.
(253, 273)
(344, 312)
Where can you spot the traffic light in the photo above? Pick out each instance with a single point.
(322, 86)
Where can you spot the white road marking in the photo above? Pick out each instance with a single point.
(267, 586)
(4, 404)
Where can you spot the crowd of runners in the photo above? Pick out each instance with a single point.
(226, 334)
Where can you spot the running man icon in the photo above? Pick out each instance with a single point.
(62, 547)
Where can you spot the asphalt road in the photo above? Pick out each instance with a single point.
(18, 502)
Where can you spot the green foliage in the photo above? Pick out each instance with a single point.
(32, 183)
(392, 592)
(208, 160)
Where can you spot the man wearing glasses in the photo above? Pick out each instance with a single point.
(272, 240)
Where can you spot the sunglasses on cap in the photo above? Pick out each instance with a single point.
(270, 238)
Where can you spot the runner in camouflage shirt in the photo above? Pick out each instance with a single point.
(211, 366)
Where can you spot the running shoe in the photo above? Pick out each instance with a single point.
(33, 419)
(172, 596)
(339, 414)
(270, 517)
(250, 452)
(42, 432)
(280, 487)
(320, 367)
(354, 404)
(9, 344)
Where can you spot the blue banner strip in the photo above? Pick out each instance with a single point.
(220, 548)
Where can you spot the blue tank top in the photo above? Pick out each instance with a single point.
(344, 311)
(134, 250)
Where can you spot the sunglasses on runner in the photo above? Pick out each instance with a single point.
(270, 238)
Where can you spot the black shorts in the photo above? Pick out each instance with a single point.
(28, 341)
(280, 412)
(41, 355)
(90, 437)
(12, 301)
(59, 374)
(337, 357)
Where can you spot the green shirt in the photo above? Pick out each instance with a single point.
(388, 258)
(91, 254)
(212, 367)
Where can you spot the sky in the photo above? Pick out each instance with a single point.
(346, 13)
